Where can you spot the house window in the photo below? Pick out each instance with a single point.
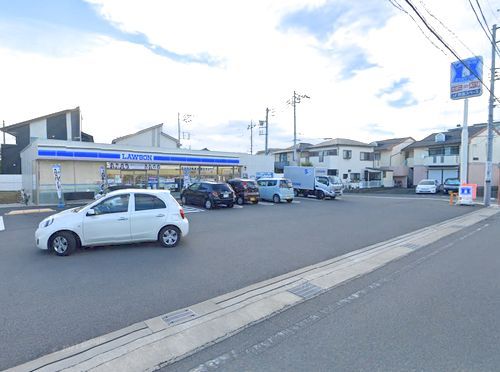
(313, 153)
(284, 157)
(333, 152)
(333, 172)
(345, 176)
(366, 155)
(376, 155)
(436, 151)
(347, 154)
(355, 177)
(321, 156)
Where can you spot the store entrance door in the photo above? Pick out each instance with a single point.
(135, 178)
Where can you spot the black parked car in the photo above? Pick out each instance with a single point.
(246, 191)
(208, 194)
(451, 184)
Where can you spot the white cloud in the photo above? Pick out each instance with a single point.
(122, 86)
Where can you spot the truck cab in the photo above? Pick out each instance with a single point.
(312, 181)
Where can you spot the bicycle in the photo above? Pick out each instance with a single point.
(24, 197)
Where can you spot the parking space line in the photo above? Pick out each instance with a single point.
(295, 201)
(238, 206)
(192, 209)
(265, 203)
(2, 226)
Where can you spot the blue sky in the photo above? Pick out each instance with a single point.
(131, 64)
(43, 23)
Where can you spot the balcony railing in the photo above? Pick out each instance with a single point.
(442, 160)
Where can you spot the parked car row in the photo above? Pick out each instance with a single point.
(430, 186)
(211, 194)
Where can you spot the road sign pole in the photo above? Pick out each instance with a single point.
(464, 148)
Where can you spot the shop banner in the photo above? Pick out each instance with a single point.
(56, 169)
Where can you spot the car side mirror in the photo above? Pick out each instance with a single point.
(91, 212)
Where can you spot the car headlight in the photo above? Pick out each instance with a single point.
(47, 222)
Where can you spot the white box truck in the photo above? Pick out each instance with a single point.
(313, 181)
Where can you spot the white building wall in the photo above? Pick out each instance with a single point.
(149, 138)
(256, 163)
(344, 166)
(10, 182)
(38, 129)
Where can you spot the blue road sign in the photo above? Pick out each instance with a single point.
(466, 78)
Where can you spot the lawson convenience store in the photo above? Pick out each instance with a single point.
(85, 167)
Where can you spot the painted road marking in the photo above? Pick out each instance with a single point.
(2, 226)
(238, 206)
(29, 211)
(265, 203)
(295, 202)
(192, 209)
(416, 197)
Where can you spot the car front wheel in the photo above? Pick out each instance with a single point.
(63, 243)
(169, 236)
(184, 200)
(240, 200)
(276, 198)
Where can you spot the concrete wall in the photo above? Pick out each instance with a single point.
(10, 182)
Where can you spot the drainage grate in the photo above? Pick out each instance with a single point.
(179, 316)
(306, 290)
(411, 245)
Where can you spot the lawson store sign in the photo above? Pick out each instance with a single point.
(96, 155)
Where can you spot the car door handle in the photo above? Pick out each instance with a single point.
(160, 215)
(123, 219)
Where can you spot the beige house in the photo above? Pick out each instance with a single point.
(390, 159)
(437, 156)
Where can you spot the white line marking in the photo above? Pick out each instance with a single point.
(416, 197)
(265, 203)
(295, 201)
(238, 206)
(2, 226)
(192, 210)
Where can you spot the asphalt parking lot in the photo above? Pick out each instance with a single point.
(51, 302)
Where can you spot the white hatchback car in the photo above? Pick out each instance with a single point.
(123, 216)
(427, 186)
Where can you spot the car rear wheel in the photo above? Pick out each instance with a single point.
(276, 198)
(184, 200)
(240, 200)
(208, 204)
(169, 236)
(63, 243)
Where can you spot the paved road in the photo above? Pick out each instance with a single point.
(435, 310)
(50, 302)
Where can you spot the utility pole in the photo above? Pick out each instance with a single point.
(489, 154)
(3, 126)
(296, 99)
(250, 127)
(264, 129)
(186, 118)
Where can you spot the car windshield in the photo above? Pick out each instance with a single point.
(221, 187)
(427, 182)
(286, 184)
(453, 182)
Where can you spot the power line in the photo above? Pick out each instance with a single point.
(398, 6)
(446, 28)
(486, 30)
(445, 44)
